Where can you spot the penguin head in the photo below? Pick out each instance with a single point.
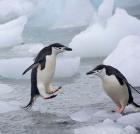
(59, 48)
(99, 70)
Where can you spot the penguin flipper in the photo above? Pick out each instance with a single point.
(30, 67)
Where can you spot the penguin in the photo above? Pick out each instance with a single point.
(42, 72)
(116, 86)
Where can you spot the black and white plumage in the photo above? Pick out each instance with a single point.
(116, 86)
(43, 70)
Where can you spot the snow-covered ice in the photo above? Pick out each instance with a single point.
(11, 32)
(98, 40)
(126, 58)
(108, 126)
(130, 119)
(13, 68)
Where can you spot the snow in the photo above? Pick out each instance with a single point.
(11, 32)
(4, 89)
(98, 40)
(126, 58)
(13, 68)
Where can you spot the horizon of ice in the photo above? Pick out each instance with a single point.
(99, 41)
(126, 58)
(14, 71)
(11, 32)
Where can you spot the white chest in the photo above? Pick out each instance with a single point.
(115, 90)
(45, 76)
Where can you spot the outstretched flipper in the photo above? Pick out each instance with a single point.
(30, 67)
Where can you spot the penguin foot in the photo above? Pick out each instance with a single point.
(53, 90)
(50, 97)
(120, 110)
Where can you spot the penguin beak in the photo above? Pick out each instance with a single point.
(90, 72)
(67, 49)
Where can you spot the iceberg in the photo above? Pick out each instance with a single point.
(126, 58)
(99, 40)
(75, 14)
(13, 68)
(18, 8)
(52, 14)
(11, 32)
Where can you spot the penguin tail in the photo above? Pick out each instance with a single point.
(135, 104)
(30, 67)
(31, 102)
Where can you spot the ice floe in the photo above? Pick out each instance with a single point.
(98, 40)
(126, 58)
(13, 68)
(11, 32)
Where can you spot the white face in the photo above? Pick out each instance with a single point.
(58, 50)
(101, 73)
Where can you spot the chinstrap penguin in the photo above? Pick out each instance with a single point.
(115, 85)
(42, 72)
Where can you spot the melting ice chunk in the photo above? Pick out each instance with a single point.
(13, 68)
(126, 58)
(98, 40)
(11, 32)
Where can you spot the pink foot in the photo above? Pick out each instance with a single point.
(117, 109)
(120, 110)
